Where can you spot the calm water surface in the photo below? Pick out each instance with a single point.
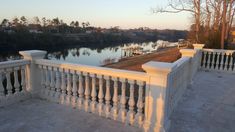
(95, 57)
(81, 55)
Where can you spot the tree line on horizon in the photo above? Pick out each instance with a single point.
(44, 24)
(212, 19)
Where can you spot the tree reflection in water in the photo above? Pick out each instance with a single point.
(94, 55)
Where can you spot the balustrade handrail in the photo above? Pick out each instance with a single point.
(139, 76)
(13, 63)
(180, 62)
(219, 50)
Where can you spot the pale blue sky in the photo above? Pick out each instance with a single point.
(103, 13)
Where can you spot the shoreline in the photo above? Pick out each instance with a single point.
(135, 63)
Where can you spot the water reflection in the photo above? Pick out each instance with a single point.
(90, 56)
(94, 57)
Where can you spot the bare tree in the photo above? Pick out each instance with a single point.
(192, 6)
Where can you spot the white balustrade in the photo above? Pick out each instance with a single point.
(143, 99)
(12, 81)
(222, 60)
(96, 90)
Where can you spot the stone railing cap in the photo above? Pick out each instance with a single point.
(198, 46)
(153, 67)
(188, 52)
(33, 53)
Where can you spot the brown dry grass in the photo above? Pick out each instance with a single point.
(135, 63)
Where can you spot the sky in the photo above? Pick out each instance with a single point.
(101, 13)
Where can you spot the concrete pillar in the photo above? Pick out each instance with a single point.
(194, 61)
(32, 71)
(156, 118)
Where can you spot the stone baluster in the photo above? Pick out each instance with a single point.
(217, 61)
(131, 103)
(204, 60)
(231, 63)
(47, 82)
(209, 60)
(140, 105)
(213, 60)
(2, 91)
(93, 94)
(9, 85)
(100, 95)
(226, 62)
(122, 111)
(87, 92)
(68, 88)
(52, 83)
(42, 79)
(63, 86)
(80, 91)
(107, 97)
(57, 85)
(16, 80)
(23, 80)
(115, 99)
(75, 89)
(222, 61)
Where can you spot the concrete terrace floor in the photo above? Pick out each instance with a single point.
(41, 116)
(208, 105)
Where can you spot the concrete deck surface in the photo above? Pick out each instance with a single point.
(41, 116)
(208, 105)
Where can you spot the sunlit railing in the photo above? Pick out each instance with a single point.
(142, 99)
(220, 60)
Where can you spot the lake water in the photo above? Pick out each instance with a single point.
(95, 57)
(88, 56)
